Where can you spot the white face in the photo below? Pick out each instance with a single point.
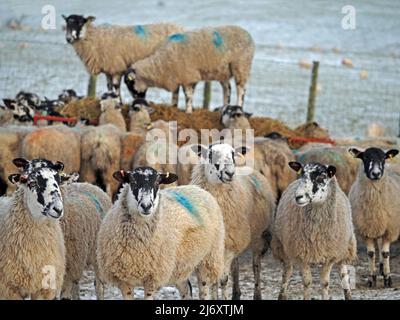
(43, 195)
(220, 163)
(314, 184)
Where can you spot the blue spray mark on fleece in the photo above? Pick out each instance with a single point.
(185, 202)
(96, 202)
(217, 39)
(140, 31)
(256, 182)
(177, 37)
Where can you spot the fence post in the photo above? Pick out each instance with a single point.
(313, 92)
(207, 95)
(91, 92)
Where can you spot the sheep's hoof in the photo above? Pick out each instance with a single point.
(282, 296)
(381, 269)
(387, 282)
(347, 294)
(372, 282)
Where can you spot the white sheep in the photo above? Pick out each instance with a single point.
(139, 114)
(111, 111)
(185, 59)
(247, 204)
(32, 253)
(375, 202)
(152, 238)
(111, 49)
(313, 225)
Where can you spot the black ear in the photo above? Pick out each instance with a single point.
(14, 178)
(65, 18)
(200, 150)
(248, 114)
(392, 153)
(356, 153)
(58, 166)
(331, 171)
(296, 166)
(21, 163)
(121, 176)
(167, 178)
(9, 103)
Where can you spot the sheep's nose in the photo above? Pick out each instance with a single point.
(376, 175)
(58, 211)
(145, 207)
(229, 174)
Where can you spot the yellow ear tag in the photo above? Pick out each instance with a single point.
(167, 175)
(130, 78)
(299, 172)
(391, 156)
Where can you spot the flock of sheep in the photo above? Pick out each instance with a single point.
(154, 223)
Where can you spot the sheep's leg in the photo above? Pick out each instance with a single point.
(204, 289)
(75, 290)
(387, 279)
(307, 280)
(325, 277)
(185, 290)
(214, 291)
(241, 91)
(189, 90)
(109, 83)
(236, 293)
(99, 288)
(371, 257)
(287, 273)
(378, 245)
(226, 87)
(149, 289)
(116, 82)
(175, 97)
(126, 291)
(257, 275)
(67, 289)
(345, 279)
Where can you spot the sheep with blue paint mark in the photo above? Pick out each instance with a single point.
(247, 204)
(153, 237)
(111, 49)
(207, 54)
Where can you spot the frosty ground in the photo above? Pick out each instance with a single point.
(271, 278)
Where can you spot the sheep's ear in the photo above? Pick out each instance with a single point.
(248, 114)
(121, 176)
(167, 178)
(296, 166)
(58, 166)
(14, 178)
(90, 18)
(200, 150)
(9, 103)
(64, 17)
(392, 153)
(21, 163)
(331, 171)
(356, 153)
(242, 150)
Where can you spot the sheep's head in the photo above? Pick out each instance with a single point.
(139, 112)
(234, 117)
(28, 99)
(144, 184)
(374, 160)
(42, 190)
(20, 111)
(76, 27)
(110, 100)
(219, 161)
(136, 87)
(314, 182)
(67, 96)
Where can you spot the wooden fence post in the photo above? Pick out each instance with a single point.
(207, 95)
(91, 92)
(313, 92)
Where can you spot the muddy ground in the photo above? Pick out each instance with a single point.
(271, 277)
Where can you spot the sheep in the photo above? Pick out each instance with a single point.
(139, 114)
(375, 202)
(54, 143)
(68, 95)
(111, 49)
(247, 205)
(111, 111)
(233, 117)
(313, 225)
(186, 58)
(17, 112)
(337, 156)
(187, 159)
(84, 207)
(11, 138)
(32, 252)
(101, 154)
(153, 238)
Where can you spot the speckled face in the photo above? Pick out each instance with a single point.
(144, 184)
(20, 110)
(75, 27)
(314, 182)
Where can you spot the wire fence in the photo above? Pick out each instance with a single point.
(348, 100)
